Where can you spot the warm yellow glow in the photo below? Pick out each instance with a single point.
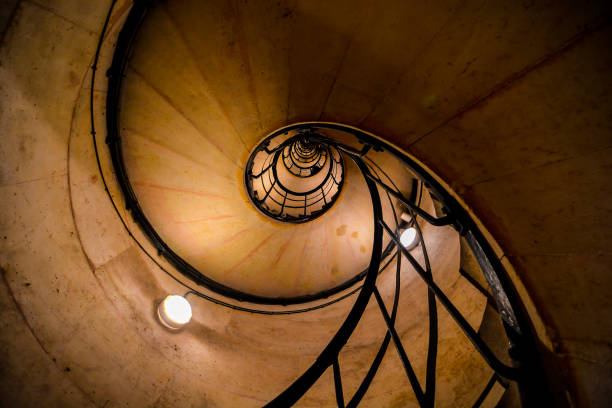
(175, 311)
(409, 237)
(406, 217)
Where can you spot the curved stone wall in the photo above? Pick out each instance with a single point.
(509, 104)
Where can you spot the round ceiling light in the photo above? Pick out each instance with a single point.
(409, 238)
(174, 312)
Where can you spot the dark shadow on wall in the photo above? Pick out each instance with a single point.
(7, 11)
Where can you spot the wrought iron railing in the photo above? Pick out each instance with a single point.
(523, 351)
(307, 151)
(294, 179)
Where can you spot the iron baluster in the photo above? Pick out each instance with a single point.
(438, 222)
(305, 381)
(514, 317)
(511, 373)
(268, 192)
(338, 384)
(284, 201)
(485, 392)
(414, 381)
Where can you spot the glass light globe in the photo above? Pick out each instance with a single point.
(409, 237)
(174, 311)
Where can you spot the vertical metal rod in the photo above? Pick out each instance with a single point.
(292, 393)
(283, 206)
(367, 380)
(338, 384)
(438, 222)
(268, 192)
(511, 373)
(432, 348)
(414, 381)
(486, 391)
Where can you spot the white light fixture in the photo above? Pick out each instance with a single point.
(174, 312)
(409, 238)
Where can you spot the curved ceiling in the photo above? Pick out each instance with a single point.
(434, 78)
(189, 116)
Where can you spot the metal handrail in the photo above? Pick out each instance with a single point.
(330, 354)
(286, 204)
(526, 369)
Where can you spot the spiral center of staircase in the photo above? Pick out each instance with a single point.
(295, 176)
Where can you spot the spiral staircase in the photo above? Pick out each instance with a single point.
(221, 150)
